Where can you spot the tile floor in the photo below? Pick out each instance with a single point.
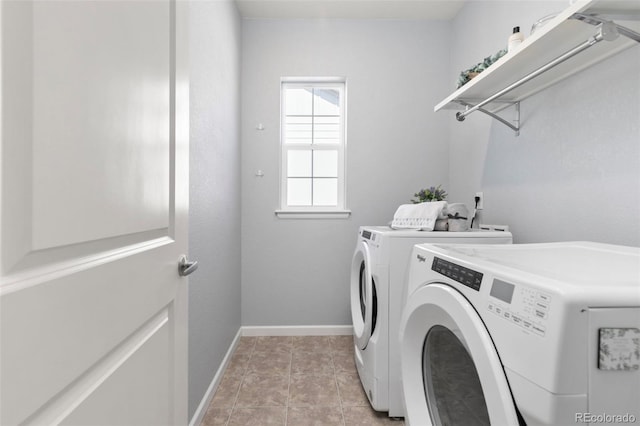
(293, 381)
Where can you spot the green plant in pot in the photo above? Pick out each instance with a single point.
(434, 193)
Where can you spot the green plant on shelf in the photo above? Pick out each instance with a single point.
(468, 74)
(434, 193)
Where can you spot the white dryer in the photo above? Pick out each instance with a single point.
(535, 334)
(377, 282)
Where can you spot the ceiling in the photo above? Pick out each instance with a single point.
(349, 9)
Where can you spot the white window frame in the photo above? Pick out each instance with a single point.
(309, 212)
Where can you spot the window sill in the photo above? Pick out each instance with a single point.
(308, 214)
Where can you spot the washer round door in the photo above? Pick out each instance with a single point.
(451, 372)
(361, 295)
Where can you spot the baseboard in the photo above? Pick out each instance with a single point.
(298, 330)
(198, 416)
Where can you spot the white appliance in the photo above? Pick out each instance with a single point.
(535, 334)
(377, 281)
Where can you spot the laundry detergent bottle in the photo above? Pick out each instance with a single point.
(515, 39)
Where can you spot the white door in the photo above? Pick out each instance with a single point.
(94, 203)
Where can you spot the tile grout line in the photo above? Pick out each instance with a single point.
(335, 379)
(235, 400)
(286, 407)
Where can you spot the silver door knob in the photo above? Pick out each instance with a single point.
(185, 267)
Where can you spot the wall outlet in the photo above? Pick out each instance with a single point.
(480, 205)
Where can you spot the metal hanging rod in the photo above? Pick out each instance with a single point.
(606, 31)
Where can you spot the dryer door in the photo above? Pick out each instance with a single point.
(361, 295)
(451, 372)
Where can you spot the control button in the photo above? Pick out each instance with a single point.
(527, 324)
(541, 314)
(544, 297)
(516, 320)
(498, 310)
(506, 314)
(538, 329)
(543, 306)
(491, 308)
(465, 276)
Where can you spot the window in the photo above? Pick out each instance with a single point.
(312, 147)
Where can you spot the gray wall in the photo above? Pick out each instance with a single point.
(214, 237)
(296, 272)
(574, 171)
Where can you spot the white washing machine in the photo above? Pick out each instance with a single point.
(535, 334)
(377, 282)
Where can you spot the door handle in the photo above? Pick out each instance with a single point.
(185, 267)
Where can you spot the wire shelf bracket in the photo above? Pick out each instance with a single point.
(513, 125)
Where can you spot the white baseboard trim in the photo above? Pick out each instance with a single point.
(198, 416)
(298, 330)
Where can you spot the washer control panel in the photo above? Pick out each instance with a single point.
(527, 308)
(368, 235)
(466, 276)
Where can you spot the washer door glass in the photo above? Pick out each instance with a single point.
(451, 383)
(362, 295)
(364, 290)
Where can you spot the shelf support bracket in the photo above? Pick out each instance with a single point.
(597, 20)
(515, 125)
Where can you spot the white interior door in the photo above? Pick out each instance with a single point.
(94, 203)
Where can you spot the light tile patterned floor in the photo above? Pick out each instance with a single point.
(293, 381)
